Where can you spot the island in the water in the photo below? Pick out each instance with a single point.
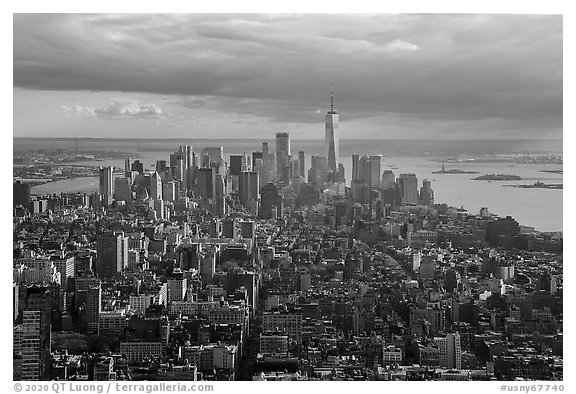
(453, 171)
(560, 172)
(540, 185)
(497, 177)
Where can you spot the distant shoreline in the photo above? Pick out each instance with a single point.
(263, 139)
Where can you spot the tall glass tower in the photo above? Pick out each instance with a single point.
(331, 136)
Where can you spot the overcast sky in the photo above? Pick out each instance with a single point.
(251, 75)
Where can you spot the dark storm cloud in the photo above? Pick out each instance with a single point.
(426, 67)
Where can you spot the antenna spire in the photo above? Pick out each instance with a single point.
(332, 99)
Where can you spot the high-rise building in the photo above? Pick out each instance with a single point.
(187, 165)
(302, 162)
(271, 206)
(122, 190)
(216, 157)
(155, 186)
(161, 166)
(364, 169)
(283, 157)
(450, 351)
(93, 308)
(236, 164)
(106, 181)
(138, 166)
(408, 185)
(21, 193)
(206, 182)
(219, 196)
(112, 253)
(268, 173)
(375, 171)
(177, 286)
(331, 136)
(318, 170)
(355, 166)
(177, 165)
(255, 156)
(426, 193)
(169, 191)
(128, 165)
(207, 264)
(388, 180)
(66, 267)
(249, 189)
(36, 322)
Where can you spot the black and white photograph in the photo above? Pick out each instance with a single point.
(207, 197)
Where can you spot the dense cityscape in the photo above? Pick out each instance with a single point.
(261, 269)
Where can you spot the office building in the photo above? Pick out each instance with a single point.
(283, 157)
(112, 254)
(450, 351)
(271, 205)
(388, 181)
(219, 204)
(177, 165)
(408, 185)
(206, 182)
(138, 167)
(274, 343)
(177, 286)
(35, 344)
(318, 172)
(21, 193)
(236, 164)
(156, 186)
(122, 190)
(302, 163)
(331, 137)
(106, 181)
(169, 191)
(249, 189)
(215, 157)
(93, 308)
(289, 323)
(426, 193)
(375, 171)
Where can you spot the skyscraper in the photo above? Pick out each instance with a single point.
(93, 308)
(187, 162)
(426, 193)
(155, 186)
(408, 184)
(249, 188)
(355, 166)
(271, 206)
(318, 170)
(122, 190)
(21, 194)
(112, 253)
(36, 320)
(206, 182)
(106, 181)
(302, 162)
(283, 157)
(375, 168)
(236, 164)
(388, 180)
(450, 351)
(331, 136)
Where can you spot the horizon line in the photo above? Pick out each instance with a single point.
(293, 139)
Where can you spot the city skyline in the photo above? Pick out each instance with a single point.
(196, 76)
